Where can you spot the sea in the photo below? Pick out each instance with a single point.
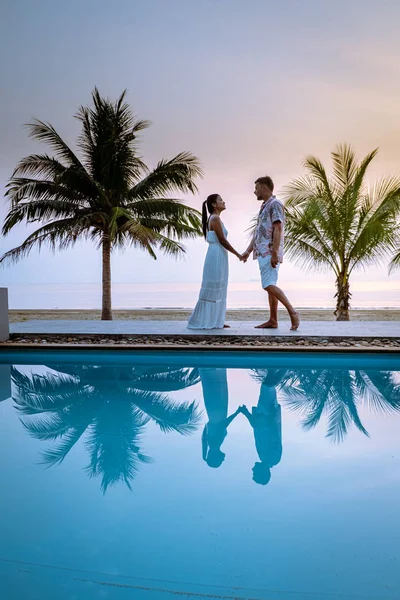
(241, 295)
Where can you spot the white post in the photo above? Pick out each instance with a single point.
(4, 322)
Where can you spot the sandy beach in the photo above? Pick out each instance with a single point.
(307, 314)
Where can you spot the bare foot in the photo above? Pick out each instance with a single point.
(267, 325)
(295, 319)
(227, 326)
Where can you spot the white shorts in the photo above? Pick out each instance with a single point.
(269, 275)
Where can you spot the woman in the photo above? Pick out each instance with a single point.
(210, 310)
(215, 392)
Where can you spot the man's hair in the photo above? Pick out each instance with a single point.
(266, 181)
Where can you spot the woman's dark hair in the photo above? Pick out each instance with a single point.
(208, 206)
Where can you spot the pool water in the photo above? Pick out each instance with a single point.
(258, 476)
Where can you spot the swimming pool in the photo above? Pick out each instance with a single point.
(215, 475)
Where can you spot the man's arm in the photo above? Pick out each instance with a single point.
(249, 248)
(245, 411)
(277, 235)
(277, 218)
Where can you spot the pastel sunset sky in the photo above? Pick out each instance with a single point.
(250, 87)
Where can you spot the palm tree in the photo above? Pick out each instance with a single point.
(338, 394)
(105, 193)
(110, 407)
(338, 222)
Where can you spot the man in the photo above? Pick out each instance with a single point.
(265, 419)
(267, 247)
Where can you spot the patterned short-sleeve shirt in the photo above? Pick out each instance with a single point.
(272, 211)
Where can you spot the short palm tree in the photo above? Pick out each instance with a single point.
(105, 193)
(338, 222)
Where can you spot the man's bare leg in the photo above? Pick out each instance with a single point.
(280, 297)
(272, 322)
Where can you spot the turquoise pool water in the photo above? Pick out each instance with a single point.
(130, 475)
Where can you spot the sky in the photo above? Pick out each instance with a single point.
(251, 87)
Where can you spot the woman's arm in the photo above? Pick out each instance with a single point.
(215, 225)
(229, 420)
(249, 248)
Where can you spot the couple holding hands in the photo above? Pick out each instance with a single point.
(266, 246)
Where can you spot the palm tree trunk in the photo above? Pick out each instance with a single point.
(106, 313)
(343, 296)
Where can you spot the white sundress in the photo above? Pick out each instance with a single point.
(210, 310)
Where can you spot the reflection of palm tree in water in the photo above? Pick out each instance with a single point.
(215, 391)
(111, 405)
(265, 419)
(338, 394)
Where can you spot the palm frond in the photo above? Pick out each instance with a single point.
(345, 166)
(60, 234)
(22, 189)
(376, 235)
(395, 262)
(168, 380)
(381, 391)
(113, 444)
(108, 143)
(149, 239)
(46, 428)
(169, 176)
(359, 175)
(57, 454)
(301, 190)
(40, 165)
(172, 210)
(43, 393)
(44, 132)
(183, 418)
(317, 181)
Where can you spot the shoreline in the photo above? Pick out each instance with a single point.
(181, 314)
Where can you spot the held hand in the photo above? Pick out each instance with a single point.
(245, 256)
(274, 259)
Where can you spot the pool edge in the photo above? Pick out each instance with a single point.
(4, 347)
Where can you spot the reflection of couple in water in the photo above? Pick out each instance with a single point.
(265, 419)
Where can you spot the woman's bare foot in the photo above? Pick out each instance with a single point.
(295, 319)
(227, 326)
(267, 325)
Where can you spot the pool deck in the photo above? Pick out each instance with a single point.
(308, 329)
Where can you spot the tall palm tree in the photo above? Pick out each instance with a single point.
(109, 407)
(338, 222)
(338, 395)
(105, 193)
